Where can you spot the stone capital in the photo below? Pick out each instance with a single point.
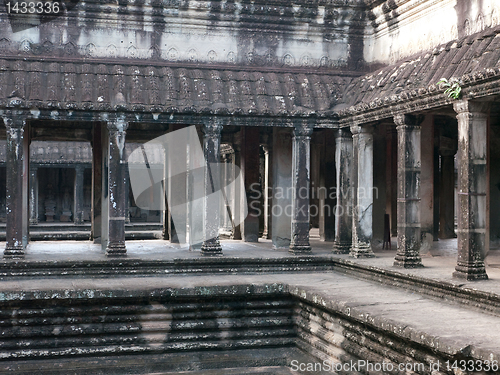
(79, 168)
(361, 129)
(15, 119)
(408, 121)
(302, 130)
(212, 128)
(467, 106)
(343, 133)
(118, 123)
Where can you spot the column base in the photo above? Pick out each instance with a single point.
(211, 248)
(13, 252)
(299, 249)
(408, 261)
(78, 218)
(116, 250)
(341, 247)
(361, 251)
(266, 235)
(470, 272)
(236, 235)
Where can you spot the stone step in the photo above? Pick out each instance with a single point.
(267, 361)
(161, 267)
(175, 324)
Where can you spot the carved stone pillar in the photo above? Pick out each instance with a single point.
(166, 211)
(301, 165)
(97, 184)
(281, 209)
(362, 185)
(328, 178)
(16, 185)
(237, 192)
(211, 215)
(409, 167)
(177, 188)
(343, 213)
(447, 198)
(472, 180)
(78, 195)
(127, 194)
(249, 140)
(116, 186)
(268, 183)
(33, 195)
(225, 172)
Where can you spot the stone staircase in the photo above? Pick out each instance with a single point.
(203, 325)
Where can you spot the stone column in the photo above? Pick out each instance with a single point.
(116, 186)
(267, 189)
(301, 165)
(362, 186)
(17, 229)
(211, 215)
(343, 213)
(127, 193)
(237, 191)
(229, 209)
(177, 188)
(97, 184)
(447, 198)
(78, 195)
(249, 140)
(409, 168)
(328, 182)
(33, 195)
(225, 219)
(472, 180)
(166, 212)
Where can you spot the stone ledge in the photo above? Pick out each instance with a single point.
(139, 267)
(484, 301)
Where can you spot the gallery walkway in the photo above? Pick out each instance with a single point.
(326, 307)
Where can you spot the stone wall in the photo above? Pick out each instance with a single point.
(265, 33)
(401, 28)
(199, 328)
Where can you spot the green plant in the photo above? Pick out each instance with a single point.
(453, 89)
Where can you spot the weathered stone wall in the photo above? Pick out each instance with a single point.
(197, 328)
(265, 33)
(400, 28)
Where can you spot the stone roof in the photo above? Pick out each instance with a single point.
(192, 90)
(473, 61)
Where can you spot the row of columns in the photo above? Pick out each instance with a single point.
(354, 167)
(354, 173)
